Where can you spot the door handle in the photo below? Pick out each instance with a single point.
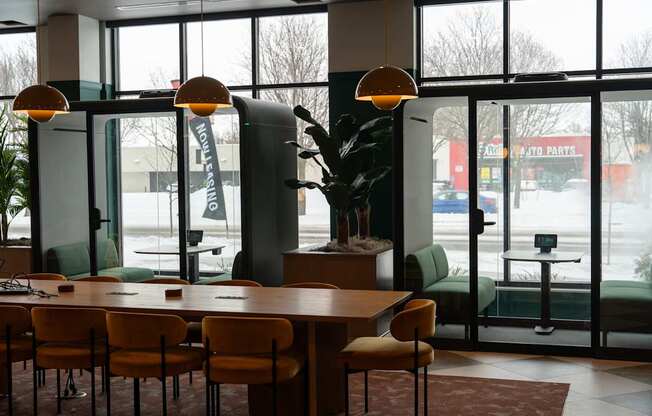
(97, 220)
(478, 221)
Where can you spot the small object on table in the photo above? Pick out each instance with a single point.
(173, 293)
(66, 288)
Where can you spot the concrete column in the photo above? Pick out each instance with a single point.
(356, 44)
(72, 56)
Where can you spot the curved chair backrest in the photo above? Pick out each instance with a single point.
(68, 324)
(418, 314)
(167, 281)
(135, 330)
(105, 279)
(45, 276)
(236, 282)
(246, 336)
(17, 318)
(311, 285)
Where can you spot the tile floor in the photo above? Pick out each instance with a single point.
(598, 387)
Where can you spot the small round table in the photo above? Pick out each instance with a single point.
(546, 259)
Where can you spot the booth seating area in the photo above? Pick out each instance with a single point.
(625, 307)
(427, 274)
(73, 261)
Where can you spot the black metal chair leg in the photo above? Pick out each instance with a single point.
(107, 375)
(34, 374)
(366, 391)
(164, 396)
(93, 403)
(102, 379)
(136, 397)
(306, 390)
(216, 399)
(425, 391)
(274, 386)
(207, 371)
(346, 390)
(58, 391)
(10, 403)
(416, 372)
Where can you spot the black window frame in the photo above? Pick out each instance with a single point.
(253, 15)
(506, 77)
(13, 31)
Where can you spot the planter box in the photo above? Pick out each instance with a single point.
(18, 259)
(369, 271)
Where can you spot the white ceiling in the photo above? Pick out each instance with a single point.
(25, 10)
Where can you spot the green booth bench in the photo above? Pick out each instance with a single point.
(625, 306)
(427, 275)
(73, 261)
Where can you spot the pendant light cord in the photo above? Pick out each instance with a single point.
(386, 29)
(201, 14)
(39, 76)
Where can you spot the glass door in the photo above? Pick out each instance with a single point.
(534, 178)
(136, 206)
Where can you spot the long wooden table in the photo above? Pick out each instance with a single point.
(333, 310)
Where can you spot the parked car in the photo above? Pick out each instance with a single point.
(457, 202)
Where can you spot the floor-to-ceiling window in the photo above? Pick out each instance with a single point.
(266, 55)
(535, 170)
(17, 71)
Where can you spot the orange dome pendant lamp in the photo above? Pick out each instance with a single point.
(202, 95)
(40, 102)
(387, 85)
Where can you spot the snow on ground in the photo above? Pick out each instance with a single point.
(146, 223)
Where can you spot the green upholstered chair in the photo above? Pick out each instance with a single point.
(235, 273)
(625, 306)
(427, 274)
(73, 261)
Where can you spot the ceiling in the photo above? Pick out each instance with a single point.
(25, 10)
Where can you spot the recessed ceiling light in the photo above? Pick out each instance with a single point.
(160, 5)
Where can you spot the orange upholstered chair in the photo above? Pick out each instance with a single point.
(167, 281)
(104, 279)
(45, 276)
(404, 350)
(15, 345)
(247, 351)
(236, 282)
(148, 346)
(69, 338)
(311, 285)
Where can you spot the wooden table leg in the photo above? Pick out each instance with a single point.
(312, 368)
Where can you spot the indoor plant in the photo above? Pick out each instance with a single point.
(348, 165)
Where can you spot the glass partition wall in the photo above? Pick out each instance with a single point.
(512, 161)
(166, 198)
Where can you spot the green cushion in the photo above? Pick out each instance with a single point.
(441, 261)
(452, 296)
(127, 274)
(212, 279)
(420, 267)
(625, 305)
(107, 255)
(69, 259)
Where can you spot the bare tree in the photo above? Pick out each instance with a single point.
(471, 43)
(17, 71)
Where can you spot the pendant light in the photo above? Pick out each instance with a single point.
(202, 95)
(387, 85)
(40, 102)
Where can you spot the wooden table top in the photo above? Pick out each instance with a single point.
(175, 250)
(317, 305)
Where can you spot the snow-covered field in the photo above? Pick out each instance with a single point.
(146, 223)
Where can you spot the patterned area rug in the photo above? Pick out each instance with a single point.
(390, 394)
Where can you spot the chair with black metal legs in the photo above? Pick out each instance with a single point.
(15, 346)
(67, 339)
(247, 351)
(404, 350)
(147, 346)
